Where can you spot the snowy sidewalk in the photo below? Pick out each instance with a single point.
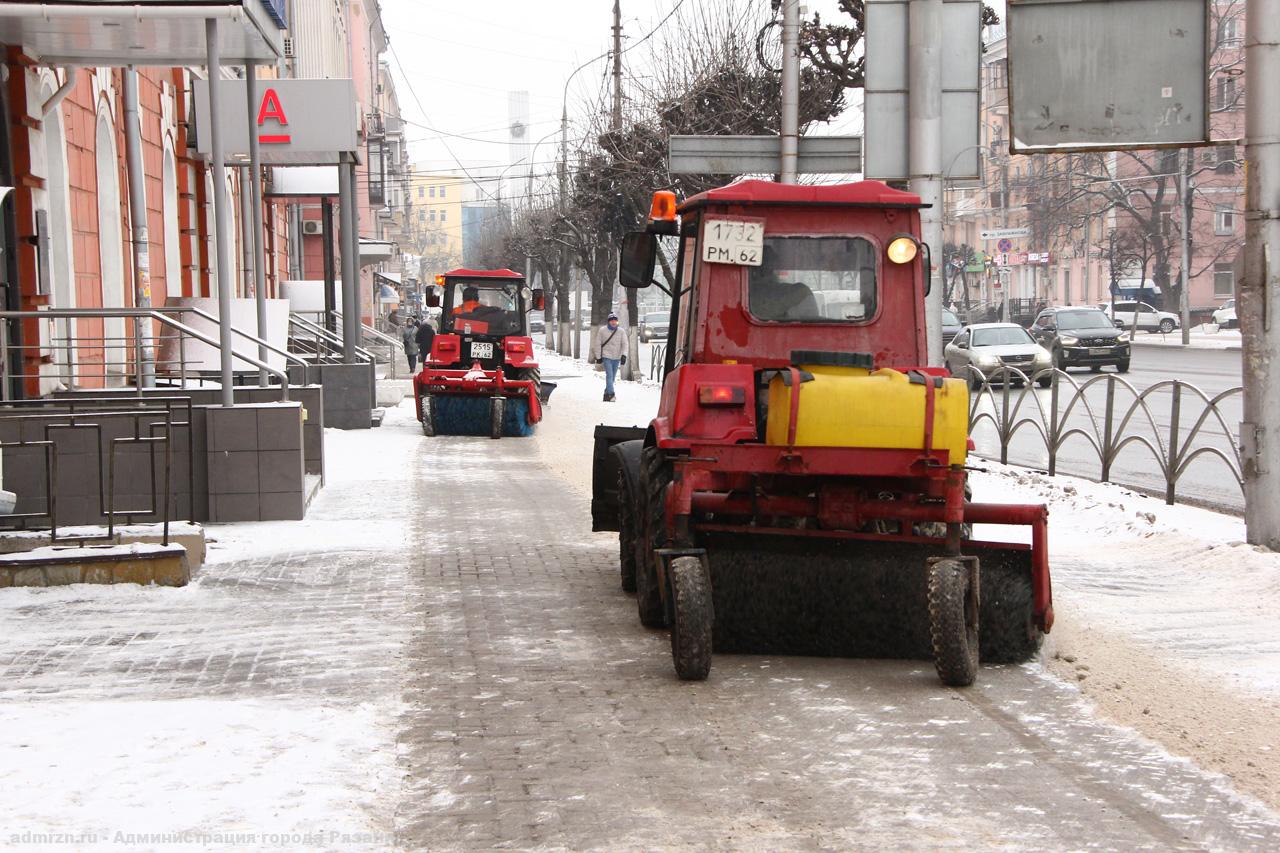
(1202, 337)
(258, 705)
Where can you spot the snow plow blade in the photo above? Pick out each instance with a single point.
(858, 597)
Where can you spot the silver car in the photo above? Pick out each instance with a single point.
(989, 346)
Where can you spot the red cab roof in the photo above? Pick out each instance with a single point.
(465, 273)
(859, 193)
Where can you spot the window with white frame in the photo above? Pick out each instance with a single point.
(432, 192)
(1224, 279)
(1231, 30)
(1224, 219)
(1224, 93)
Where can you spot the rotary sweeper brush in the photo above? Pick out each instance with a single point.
(802, 487)
(481, 377)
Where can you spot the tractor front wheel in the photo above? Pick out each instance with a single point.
(655, 476)
(953, 622)
(691, 627)
(427, 414)
(497, 414)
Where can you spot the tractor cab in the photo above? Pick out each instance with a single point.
(480, 309)
(766, 270)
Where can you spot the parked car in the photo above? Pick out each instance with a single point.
(1225, 316)
(951, 326)
(989, 346)
(1141, 316)
(654, 326)
(537, 322)
(1081, 337)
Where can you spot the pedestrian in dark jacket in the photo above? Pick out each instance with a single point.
(424, 336)
(409, 337)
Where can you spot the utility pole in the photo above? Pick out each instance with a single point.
(567, 345)
(1258, 293)
(1187, 188)
(924, 141)
(790, 142)
(631, 369)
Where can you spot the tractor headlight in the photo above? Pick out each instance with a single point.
(903, 250)
(1069, 340)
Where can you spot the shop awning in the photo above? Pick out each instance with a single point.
(141, 32)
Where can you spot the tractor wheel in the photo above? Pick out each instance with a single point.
(1009, 633)
(691, 627)
(427, 414)
(627, 524)
(953, 622)
(655, 475)
(533, 374)
(497, 414)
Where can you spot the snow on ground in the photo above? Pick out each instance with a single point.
(255, 709)
(1207, 336)
(1165, 618)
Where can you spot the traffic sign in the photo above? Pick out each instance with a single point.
(1000, 233)
(1005, 245)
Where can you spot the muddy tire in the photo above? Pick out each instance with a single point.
(953, 622)
(497, 415)
(655, 476)
(1009, 633)
(427, 414)
(694, 616)
(628, 522)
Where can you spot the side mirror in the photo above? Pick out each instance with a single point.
(637, 259)
(961, 344)
(539, 300)
(433, 299)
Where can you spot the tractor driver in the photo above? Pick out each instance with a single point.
(769, 298)
(470, 301)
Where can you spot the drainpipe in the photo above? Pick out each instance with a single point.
(144, 351)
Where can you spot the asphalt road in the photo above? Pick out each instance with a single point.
(1206, 478)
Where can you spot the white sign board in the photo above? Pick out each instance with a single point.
(298, 122)
(733, 241)
(1095, 76)
(1002, 233)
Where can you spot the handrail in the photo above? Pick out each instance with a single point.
(145, 313)
(327, 335)
(200, 312)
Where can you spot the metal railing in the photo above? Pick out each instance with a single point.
(79, 357)
(657, 357)
(1110, 416)
(372, 339)
(152, 424)
(324, 344)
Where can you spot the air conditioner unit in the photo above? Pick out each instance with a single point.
(312, 226)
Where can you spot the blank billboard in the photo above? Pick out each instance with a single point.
(1107, 74)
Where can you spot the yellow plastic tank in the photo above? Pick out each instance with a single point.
(854, 407)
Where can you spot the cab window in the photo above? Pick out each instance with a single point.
(684, 328)
(814, 279)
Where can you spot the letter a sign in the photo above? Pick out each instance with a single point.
(272, 109)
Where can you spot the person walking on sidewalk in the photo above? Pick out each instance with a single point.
(409, 337)
(611, 349)
(424, 336)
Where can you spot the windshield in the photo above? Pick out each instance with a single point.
(949, 318)
(1083, 320)
(827, 279)
(482, 308)
(654, 319)
(1001, 336)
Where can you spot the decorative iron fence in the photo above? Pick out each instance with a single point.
(1109, 415)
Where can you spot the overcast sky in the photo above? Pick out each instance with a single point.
(462, 59)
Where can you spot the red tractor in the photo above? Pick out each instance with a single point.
(481, 377)
(802, 487)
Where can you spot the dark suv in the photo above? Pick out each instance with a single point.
(1081, 337)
